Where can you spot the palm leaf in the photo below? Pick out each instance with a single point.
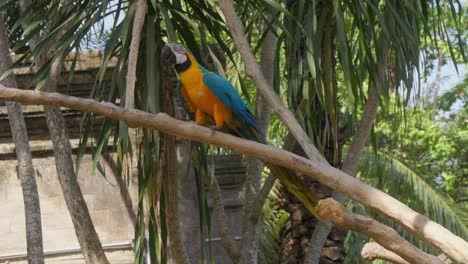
(272, 222)
(390, 174)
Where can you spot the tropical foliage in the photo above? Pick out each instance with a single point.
(327, 58)
(421, 161)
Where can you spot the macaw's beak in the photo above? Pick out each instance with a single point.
(167, 56)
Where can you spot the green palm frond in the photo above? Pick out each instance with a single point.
(390, 174)
(272, 221)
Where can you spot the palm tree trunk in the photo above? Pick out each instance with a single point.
(32, 209)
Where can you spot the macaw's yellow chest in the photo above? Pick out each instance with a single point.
(199, 94)
(203, 98)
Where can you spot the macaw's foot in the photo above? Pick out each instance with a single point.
(215, 128)
(195, 122)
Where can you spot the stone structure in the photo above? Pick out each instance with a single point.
(230, 171)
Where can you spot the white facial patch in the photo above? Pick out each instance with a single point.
(180, 58)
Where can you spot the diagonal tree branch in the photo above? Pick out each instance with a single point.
(373, 251)
(261, 197)
(254, 71)
(374, 199)
(386, 236)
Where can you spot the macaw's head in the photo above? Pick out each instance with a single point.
(175, 54)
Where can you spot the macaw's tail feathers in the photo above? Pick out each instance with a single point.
(289, 180)
(295, 186)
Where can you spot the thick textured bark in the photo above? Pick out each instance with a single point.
(32, 209)
(84, 228)
(374, 199)
(169, 182)
(187, 209)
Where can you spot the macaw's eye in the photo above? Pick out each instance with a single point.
(179, 49)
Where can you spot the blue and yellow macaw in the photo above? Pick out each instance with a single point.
(212, 101)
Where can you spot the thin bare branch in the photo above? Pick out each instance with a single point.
(373, 251)
(374, 199)
(259, 201)
(386, 236)
(140, 13)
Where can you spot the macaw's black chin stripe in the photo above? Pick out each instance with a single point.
(183, 67)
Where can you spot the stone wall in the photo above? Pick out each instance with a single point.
(230, 171)
(109, 212)
(103, 197)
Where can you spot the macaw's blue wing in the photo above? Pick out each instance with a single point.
(227, 94)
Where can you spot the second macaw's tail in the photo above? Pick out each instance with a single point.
(296, 186)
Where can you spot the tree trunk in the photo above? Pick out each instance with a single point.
(84, 228)
(32, 209)
(436, 86)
